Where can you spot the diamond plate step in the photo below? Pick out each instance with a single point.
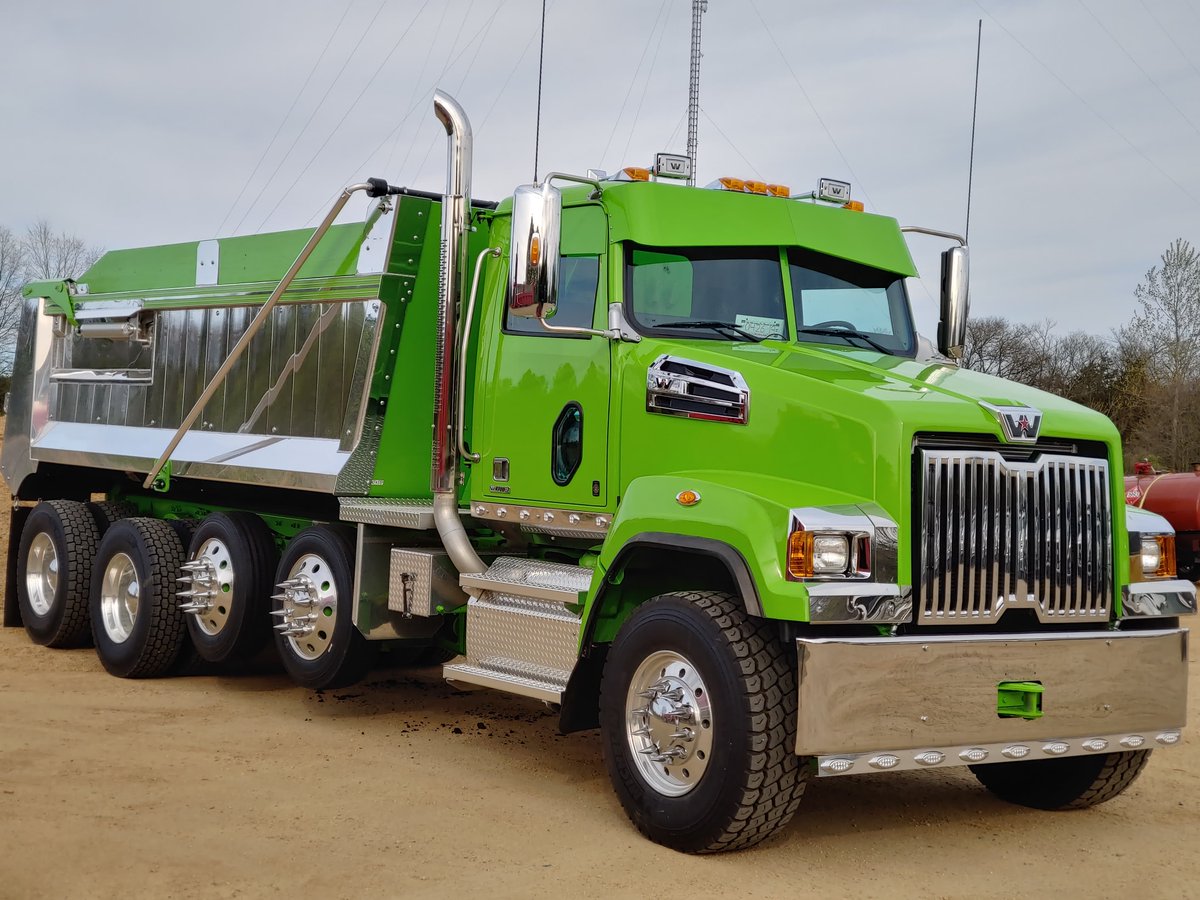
(415, 514)
(531, 578)
(520, 644)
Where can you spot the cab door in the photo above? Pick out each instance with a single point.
(542, 399)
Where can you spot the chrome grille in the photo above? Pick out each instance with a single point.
(997, 535)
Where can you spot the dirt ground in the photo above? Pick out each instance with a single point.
(246, 786)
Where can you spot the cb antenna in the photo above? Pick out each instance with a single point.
(537, 129)
(974, 110)
(699, 8)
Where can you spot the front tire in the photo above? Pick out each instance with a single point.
(54, 573)
(136, 623)
(1073, 782)
(318, 643)
(698, 716)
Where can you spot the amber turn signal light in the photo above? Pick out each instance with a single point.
(800, 554)
(1166, 556)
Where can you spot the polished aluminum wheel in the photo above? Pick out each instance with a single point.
(210, 577)
(119, 597)
(308, 606)
(669, 722)
(41, 573)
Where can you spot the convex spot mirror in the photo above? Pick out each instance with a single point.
(952, 329)
(533, 258)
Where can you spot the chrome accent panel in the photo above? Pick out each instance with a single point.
(555, 582)
(997, 534)
(313, 463)
(371, 613)
(1158, 598)
(414, 514)
(676, 386)
(997, 752)
(521, 640)
(30, 379)
(562, 522)
(423, 582)
(271, 393)
(208, 262)
(88, 310)
(862, 694)
(832, 603)
(865, 520)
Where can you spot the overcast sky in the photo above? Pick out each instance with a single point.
(140, 123)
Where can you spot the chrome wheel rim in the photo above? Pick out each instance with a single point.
(669, 723)
(307, 611)
(210, 578)
(41, 573)
(120, 596)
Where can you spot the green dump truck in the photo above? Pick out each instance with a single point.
(669, 459)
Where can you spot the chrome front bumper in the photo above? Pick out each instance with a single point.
(870, 704)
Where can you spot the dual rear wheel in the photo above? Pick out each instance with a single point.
(153, 594)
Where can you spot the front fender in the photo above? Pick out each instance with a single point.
(752, 518)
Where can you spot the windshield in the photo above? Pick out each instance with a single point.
(710, 293)
(833, 295)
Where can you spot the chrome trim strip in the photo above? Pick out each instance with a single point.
(857, 602)
(576, 522)
(943, 757)
(1146, 599)
(718, 401)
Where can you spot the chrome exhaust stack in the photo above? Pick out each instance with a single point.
(452, 276)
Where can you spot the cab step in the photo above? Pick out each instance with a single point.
(521, 637)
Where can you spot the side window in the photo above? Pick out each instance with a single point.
(566, 449)
(578, 279)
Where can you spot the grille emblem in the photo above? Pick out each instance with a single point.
(1020, 424)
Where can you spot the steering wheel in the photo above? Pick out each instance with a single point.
(836, 323)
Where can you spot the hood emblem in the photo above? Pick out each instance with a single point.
(1020, 424)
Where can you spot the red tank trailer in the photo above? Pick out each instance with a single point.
(1175, 497)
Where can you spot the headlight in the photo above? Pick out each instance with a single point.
(831, 554)
(1158, 555)
(825, 553)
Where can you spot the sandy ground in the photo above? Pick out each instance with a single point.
(246, 786)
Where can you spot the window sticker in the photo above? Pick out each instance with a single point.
(761, 326)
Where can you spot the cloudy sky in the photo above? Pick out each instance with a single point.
(143, 123)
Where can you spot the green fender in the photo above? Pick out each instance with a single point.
(750, 519)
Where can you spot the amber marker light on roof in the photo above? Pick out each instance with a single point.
(756, 187)
(636, 173)
(732, 184)
(779, 190)
(855, 205)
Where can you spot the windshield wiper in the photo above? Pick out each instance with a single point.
(846, 333)
(715, 325)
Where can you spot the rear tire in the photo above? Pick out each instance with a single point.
(236, 553)
(54, 573)
(698, 718)
(1074, 782)
(318, 643)
(136, 623)
(108, 512)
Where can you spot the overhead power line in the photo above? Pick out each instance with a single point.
(1149, 77)
(749, 164)
(287, 115)
(807, 99)
(1095, 112)
(1171, 38)
(662, 8)
(646, 84)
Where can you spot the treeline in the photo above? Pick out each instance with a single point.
(38, 253)
(1145, 376)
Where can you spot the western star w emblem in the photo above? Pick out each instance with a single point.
(1020, 424)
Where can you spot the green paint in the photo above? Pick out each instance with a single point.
(1019, 699)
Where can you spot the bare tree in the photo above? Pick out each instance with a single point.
(54, 254)
(1168, 320)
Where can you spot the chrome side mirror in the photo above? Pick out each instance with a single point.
(533, 257)
(956, 298)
